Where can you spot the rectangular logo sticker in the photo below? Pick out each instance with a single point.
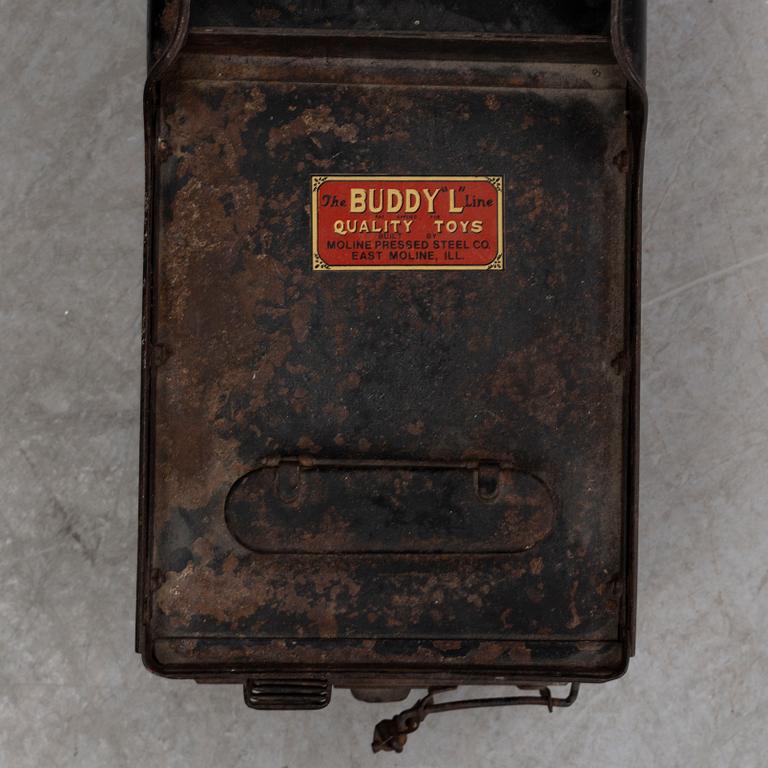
(407, 222)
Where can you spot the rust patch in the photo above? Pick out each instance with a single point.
(311, 121)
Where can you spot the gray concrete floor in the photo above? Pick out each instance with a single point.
(72, 693)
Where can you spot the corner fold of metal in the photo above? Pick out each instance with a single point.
(175, 44)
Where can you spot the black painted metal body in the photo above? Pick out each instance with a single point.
(390, 479)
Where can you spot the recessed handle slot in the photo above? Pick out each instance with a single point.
(311, 506)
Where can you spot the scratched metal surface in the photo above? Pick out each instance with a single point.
(256, 357)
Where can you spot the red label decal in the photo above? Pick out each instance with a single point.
(407, 222)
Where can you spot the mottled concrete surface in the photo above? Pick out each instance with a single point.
(72, 693)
